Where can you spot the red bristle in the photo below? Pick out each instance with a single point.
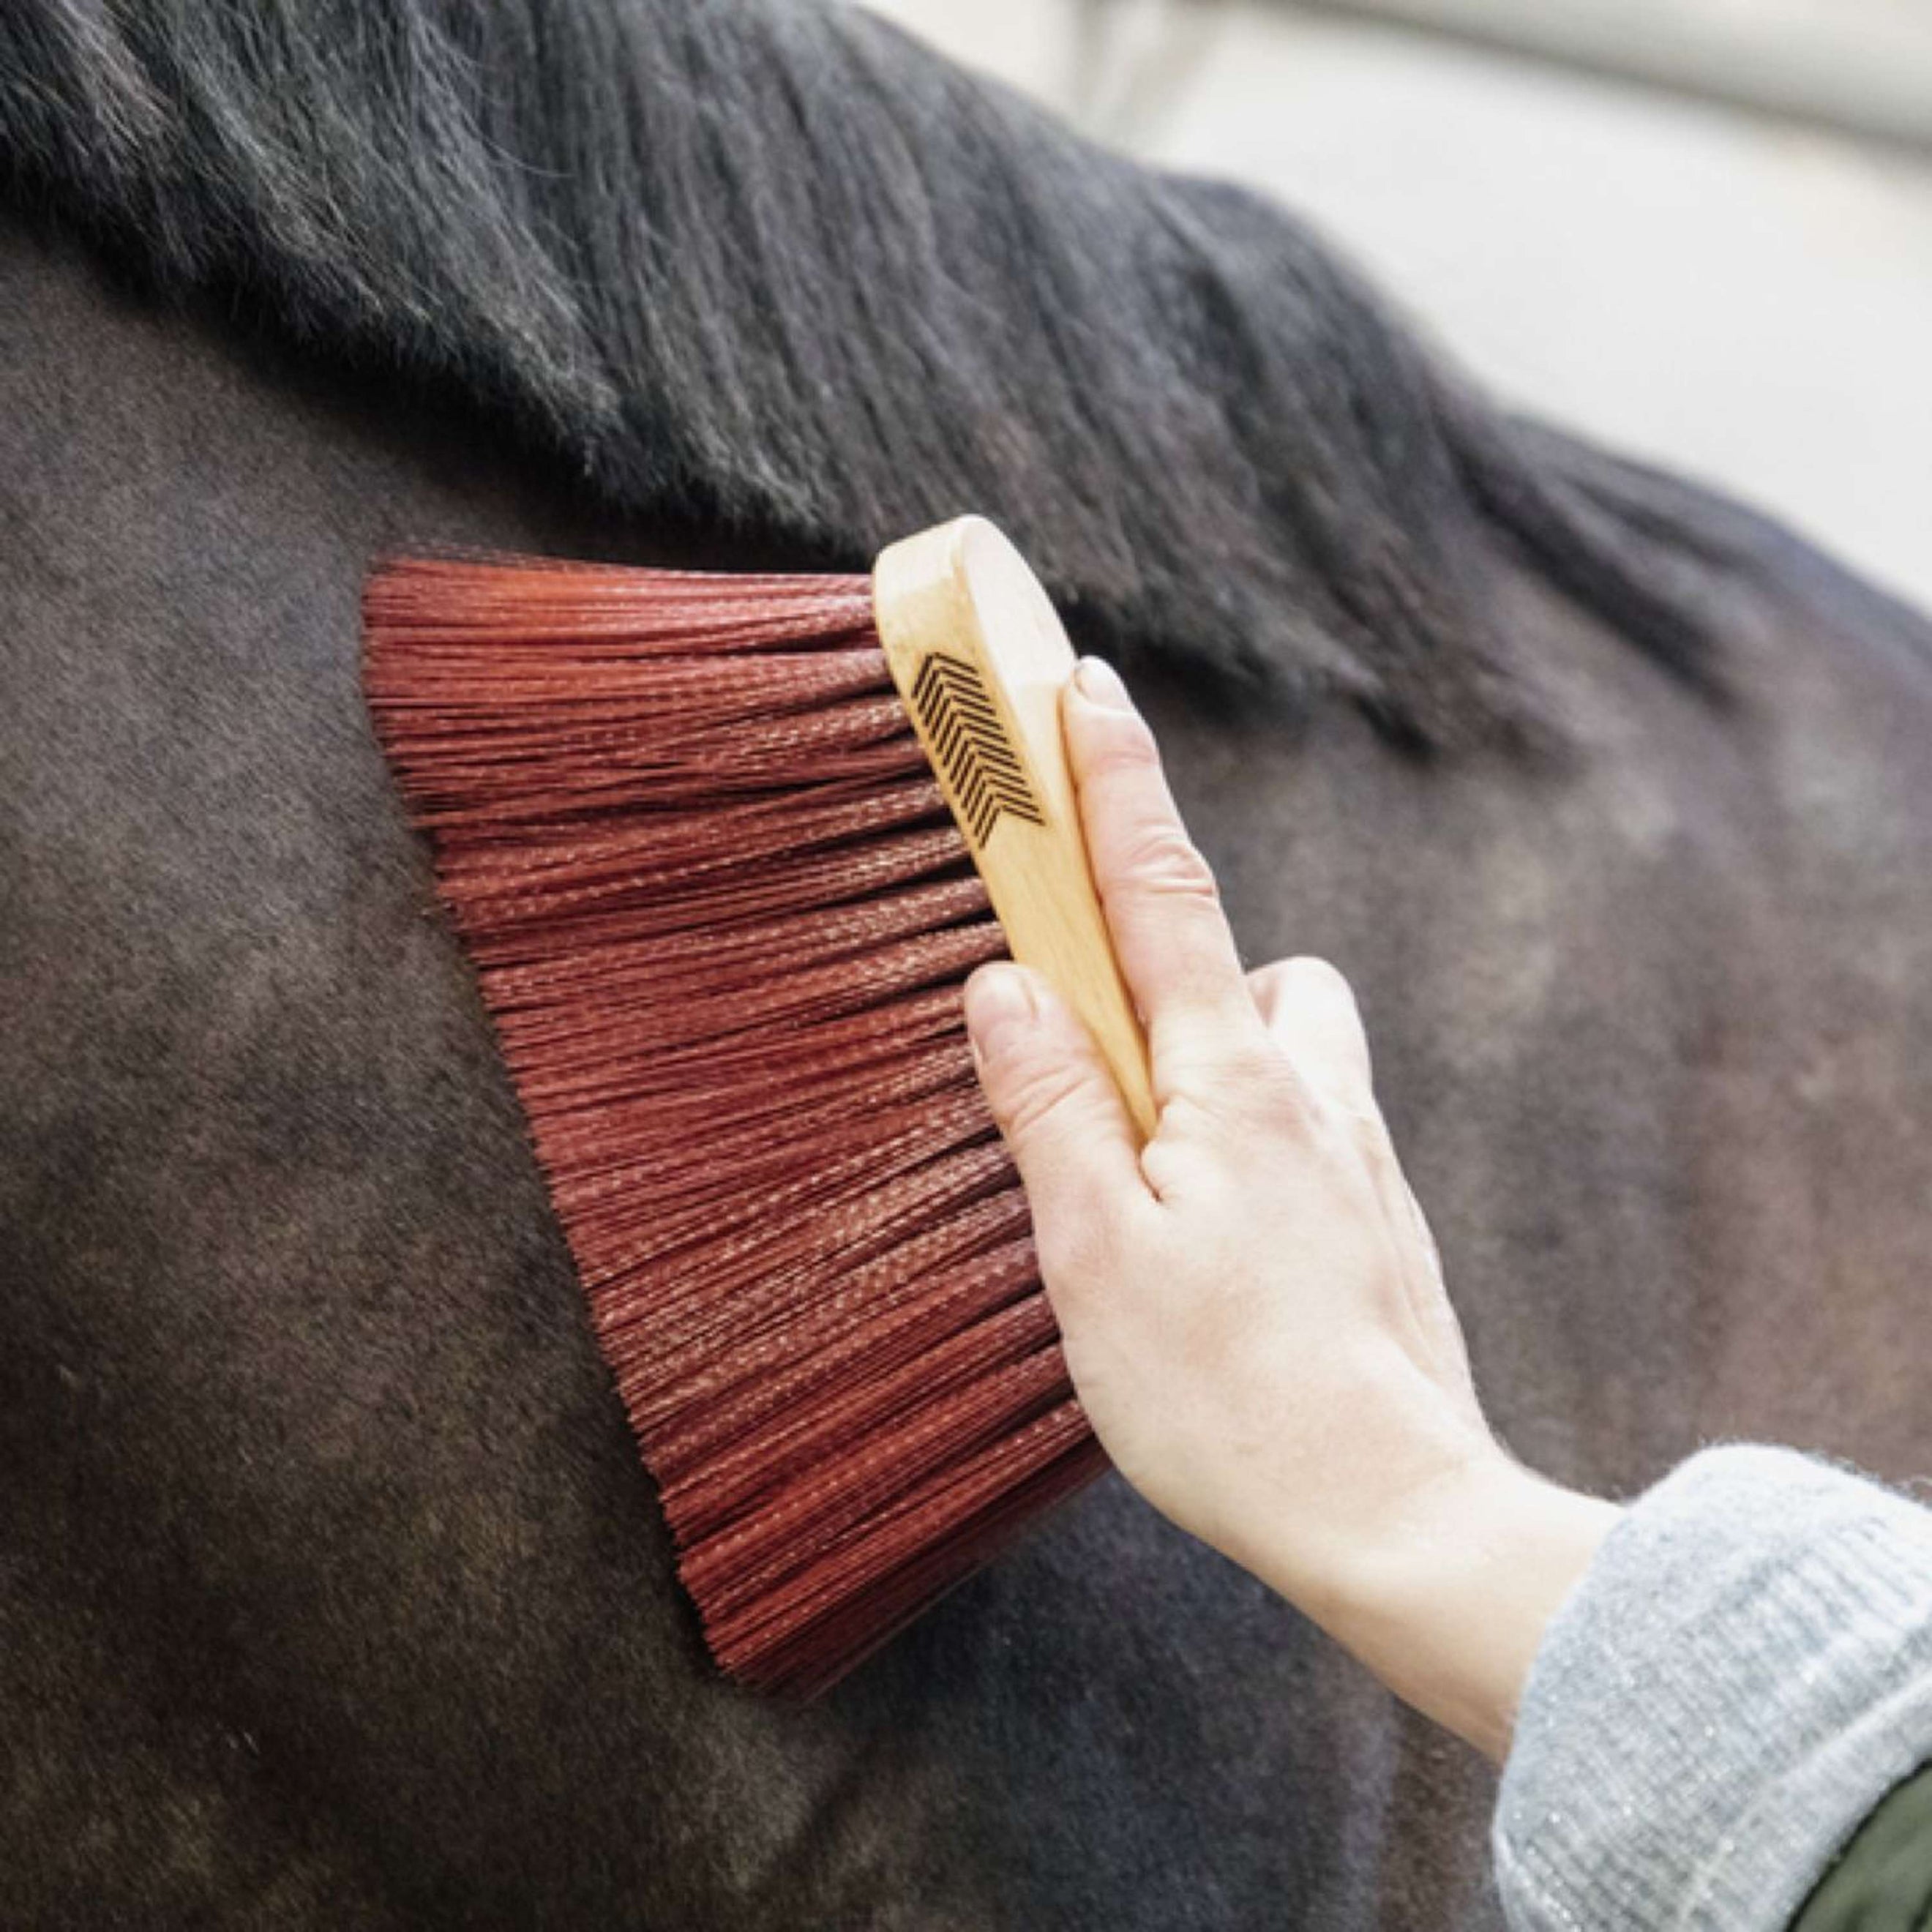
(721, 917)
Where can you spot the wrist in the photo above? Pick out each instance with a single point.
(1446, 1603)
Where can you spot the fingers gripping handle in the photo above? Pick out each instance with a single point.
(980, 659)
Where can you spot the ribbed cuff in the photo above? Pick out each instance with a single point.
(1743, 1673)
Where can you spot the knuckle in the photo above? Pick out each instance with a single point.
(1314, 1012)
(1189, 1121)
(1259, 1070)
(1164, 859)
(1257, 1091)
(1347, 1136)
(1315, 980)
(1276, 1098)
(1037, 1095)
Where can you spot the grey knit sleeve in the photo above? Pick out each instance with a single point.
(1743, 1673)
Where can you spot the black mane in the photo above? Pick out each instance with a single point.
(770, 264)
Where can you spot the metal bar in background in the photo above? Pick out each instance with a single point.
(1861, 72)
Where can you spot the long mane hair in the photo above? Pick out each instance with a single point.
(770, 266)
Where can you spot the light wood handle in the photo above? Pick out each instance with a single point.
(980, 659)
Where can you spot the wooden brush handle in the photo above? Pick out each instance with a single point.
(980, 658)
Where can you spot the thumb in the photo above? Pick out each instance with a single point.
(1063, 1118)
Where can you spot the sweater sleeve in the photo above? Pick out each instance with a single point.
(1743, 1673)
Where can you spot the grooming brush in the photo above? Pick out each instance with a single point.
(723, 850)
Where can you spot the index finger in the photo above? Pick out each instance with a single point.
(1163, 908)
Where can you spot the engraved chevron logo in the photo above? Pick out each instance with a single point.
(969, 744)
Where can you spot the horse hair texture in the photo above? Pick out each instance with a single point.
(770, 266)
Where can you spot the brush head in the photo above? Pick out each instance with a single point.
(721, 917)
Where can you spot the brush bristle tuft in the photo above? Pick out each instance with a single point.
(721, 917)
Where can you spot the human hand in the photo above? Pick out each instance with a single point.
(1252, 1306)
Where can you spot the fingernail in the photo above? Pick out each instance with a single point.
(1000, 1009)
(1100, 683)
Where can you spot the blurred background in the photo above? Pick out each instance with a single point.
(1701, 230)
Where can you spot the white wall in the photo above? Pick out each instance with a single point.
(1748, 302)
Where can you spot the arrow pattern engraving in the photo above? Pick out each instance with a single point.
(977, 761)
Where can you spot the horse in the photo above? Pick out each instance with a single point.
(331, 1590)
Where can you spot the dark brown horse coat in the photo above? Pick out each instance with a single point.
(331, 1591)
